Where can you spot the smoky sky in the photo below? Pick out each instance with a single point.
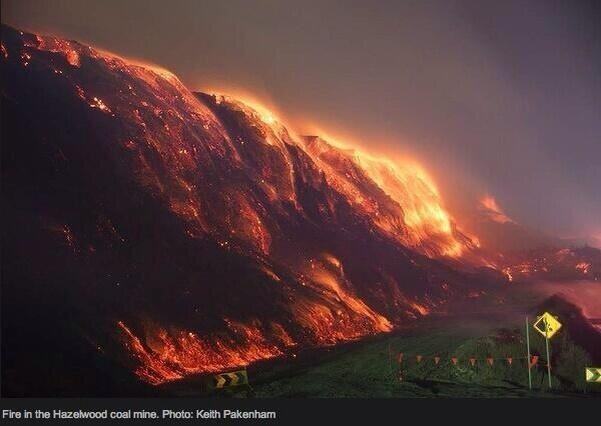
(492, 97)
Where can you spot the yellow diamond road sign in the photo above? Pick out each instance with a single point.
(547, 325)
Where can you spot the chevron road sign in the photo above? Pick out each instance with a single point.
(234, 378)
(593, 374)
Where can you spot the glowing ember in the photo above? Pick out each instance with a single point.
(99, 103)
(420, 308)
(25, 58)
(583, 267)
(72, 58)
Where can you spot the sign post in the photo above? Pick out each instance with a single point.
(528, 348)
(547, 325)
(548, 356)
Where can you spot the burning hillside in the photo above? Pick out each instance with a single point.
(498, 232)
(402, 200)
(553, 264)
(178, 233)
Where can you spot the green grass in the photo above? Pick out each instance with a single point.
(370, 370)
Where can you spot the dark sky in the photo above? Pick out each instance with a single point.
(499, 97)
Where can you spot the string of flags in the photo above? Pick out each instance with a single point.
(534, 359)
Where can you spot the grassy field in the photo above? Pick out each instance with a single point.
(370, 369)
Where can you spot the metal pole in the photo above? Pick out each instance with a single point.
(548, 355)
(390, 360)
(528, 361)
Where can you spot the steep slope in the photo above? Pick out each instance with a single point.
(500, 233)
(553, 264)
(523, 254)
(401, 199)
(190, 230)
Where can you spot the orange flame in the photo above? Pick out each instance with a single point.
(332, 279)
(490, 206)
(165, 356)
(407, 184)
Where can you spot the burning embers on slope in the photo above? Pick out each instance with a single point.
(165, 356)
(327, 274)
(219, 209)
(146, 96)
(553, 264)
(403, 200)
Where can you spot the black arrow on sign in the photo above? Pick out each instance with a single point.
(233, 378)
(593, 374)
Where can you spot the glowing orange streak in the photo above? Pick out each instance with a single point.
(489, 204)
(404, 182)
(170, 356)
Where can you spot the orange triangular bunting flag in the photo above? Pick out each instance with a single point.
(509, 360)
(418, 358)
(490, 361)
(454, 361)
(473, 361)
(436, 360)
(533, 360)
